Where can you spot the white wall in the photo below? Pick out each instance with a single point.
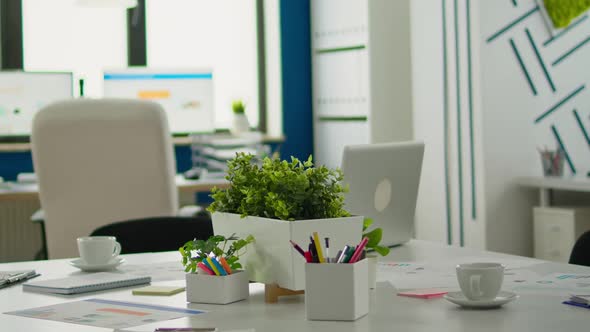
(489, 110)
(511, 135)
(451, 204)
(427, 81)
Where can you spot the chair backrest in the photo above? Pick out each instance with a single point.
(157, 234)
(581, 251)
(101, 161)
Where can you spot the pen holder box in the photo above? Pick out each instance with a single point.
(336, 291)
(272, 259)
(204, 288)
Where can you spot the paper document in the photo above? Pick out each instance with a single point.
(414, 275)
(158, 271)
(558, 284)
(106, 313)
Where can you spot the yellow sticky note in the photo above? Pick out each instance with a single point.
(158, 290)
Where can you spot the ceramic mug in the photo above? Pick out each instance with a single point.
(98, 250)
(480, 281)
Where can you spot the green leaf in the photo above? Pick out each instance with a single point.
(366, 223)
(374, 237)
(383, 251)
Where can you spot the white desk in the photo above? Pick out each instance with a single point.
(388, 312)
(21, 239)
(18, 191)
(546, 184)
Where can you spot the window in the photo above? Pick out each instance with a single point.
(220, 35)
(59, 35)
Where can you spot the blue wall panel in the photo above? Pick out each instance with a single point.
(296, 65)
(13, 163)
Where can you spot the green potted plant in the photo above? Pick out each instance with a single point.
(220, 279)
(279, 201)
(241, 124)
(374, 236)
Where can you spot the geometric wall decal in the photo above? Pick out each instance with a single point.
(523, 67)
(563, 148)
(582, 127)
(538, 71)
(571, 51)
(566, 30)
(560, 103)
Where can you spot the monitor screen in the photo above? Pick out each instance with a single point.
(186, 95)
(23, 94)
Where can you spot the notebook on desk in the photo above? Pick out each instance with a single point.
(86, 283)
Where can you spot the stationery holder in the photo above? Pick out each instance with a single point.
(204, 288)
(336, 291)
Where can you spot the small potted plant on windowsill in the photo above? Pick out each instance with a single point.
(374, 236)
(280, 201)
(240, 124)
(214, 271)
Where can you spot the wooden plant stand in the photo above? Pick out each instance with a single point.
(273, 291)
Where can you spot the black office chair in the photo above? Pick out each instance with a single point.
(581, 251)
(158, 233)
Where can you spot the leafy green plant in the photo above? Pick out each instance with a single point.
(374, 238)
(280, 189)
(238, 107)
(194, 251)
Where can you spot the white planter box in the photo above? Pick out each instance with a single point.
(336, 291)
(272, 259)
(204, 288)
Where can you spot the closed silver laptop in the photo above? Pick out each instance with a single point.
(383, 184)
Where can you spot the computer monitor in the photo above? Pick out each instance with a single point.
(185, 94)
(23, 94)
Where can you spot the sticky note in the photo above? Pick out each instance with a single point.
(158, 290)
(423, 293)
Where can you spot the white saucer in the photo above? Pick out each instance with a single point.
(460, 299)
(113, 263)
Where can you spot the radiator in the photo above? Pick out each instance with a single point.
(20, 239)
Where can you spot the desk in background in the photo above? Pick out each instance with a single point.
(388, 312)
(20, 239)
(556, 228)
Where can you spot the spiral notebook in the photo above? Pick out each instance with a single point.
(86, 283)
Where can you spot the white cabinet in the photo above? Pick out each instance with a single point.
(557, 229)
(361, 58)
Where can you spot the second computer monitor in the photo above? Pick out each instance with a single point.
(186, 95)
(22, 94)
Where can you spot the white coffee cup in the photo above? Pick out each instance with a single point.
(480, 281)
(97, 250)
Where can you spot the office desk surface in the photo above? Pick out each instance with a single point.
(15, 191)
(388, 312)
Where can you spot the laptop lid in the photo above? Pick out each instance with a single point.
(383, 184)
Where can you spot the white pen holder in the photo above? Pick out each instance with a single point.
(336, 291)
(204, 288)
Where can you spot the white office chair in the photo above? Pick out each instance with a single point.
(99, 162)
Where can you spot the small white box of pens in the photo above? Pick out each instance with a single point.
(335, 286)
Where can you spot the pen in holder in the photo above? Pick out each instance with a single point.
(552, 162)
(336, 291)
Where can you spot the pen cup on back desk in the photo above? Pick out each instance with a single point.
(336, 291)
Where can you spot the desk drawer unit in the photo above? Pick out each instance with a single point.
(556, 230)
(20, 238)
